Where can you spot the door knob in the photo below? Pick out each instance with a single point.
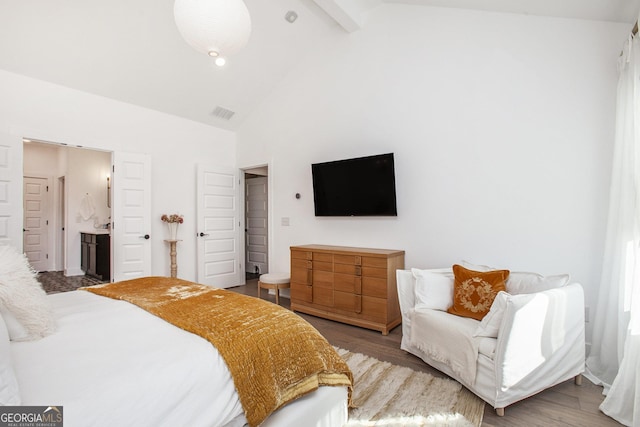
(25, 230)
(203, 234)
(145, 237)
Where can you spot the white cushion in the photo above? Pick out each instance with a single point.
(9, 392)
(487, 346)
(447, 271)
(23, 296)
(490, 324)
(521, 282)
(17, 332)
(478, 267)
(529, 283)
(433, 290)
(274, 278)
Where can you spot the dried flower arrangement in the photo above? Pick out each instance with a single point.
(173, 218)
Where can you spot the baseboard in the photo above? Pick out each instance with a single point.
(74, 272)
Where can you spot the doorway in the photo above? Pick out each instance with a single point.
(76, 192)
(256, 210)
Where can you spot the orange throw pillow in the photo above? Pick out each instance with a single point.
(474, 291)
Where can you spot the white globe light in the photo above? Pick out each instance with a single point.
(213, 27)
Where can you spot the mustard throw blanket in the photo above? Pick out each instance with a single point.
(274, 355)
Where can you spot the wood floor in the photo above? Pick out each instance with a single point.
(563, 405)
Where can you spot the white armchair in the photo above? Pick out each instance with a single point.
(540, 342)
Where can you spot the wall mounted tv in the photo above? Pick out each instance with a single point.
(364, 186)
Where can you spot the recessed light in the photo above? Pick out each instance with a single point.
(213, 53)
(220, 61)
(291, 17)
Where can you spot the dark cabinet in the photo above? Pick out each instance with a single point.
(96, 255)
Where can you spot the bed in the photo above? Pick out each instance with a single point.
(110, 362)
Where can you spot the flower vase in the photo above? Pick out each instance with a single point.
(173, 230)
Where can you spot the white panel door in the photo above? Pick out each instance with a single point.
(36, 222)
(256, 257)
(11, 190)
(218, 227)
(131, 201)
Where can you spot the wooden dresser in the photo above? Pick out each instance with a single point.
(350, 285)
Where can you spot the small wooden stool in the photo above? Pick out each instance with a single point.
(275, 281)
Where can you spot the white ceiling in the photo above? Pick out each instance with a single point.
(131, 50)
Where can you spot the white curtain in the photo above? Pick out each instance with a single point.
(614, 358)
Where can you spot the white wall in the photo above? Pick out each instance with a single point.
(48, 112)
(501, 125)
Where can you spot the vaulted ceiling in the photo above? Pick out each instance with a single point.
(131, 50)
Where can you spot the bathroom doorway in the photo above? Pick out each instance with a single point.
(256, 222)
(76, 196)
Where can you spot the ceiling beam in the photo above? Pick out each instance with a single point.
(344, 12)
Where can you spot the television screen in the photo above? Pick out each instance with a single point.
(365, 186)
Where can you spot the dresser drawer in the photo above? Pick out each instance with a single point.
(374, 272)
(361, 307)
(301, 255)
(374, 262)
(348, 302)
(301, 292)
(323, 296)
(322, 265)
(354, 270)
(347, 259)
(374, 309)
(301, 276)
(347, 283)
(322, 257)
(301, 264)
(323, 279)
(374, 287)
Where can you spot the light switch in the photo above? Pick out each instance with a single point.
(285, 221)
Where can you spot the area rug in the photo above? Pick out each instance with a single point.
(54, 282)
(391, 395)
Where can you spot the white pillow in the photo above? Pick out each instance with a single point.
(520, 282)
(17, 332)
(529, 283)
(478, 267)
(23, 296)
(490, 324)
(9, 392)
(433, 290)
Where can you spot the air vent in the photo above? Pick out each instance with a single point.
(223, 113)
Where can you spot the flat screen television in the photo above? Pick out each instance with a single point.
(364, 186)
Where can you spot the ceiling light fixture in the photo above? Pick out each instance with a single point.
(291, 16)
(214, 27)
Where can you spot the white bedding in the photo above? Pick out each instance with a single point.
(111, 363)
